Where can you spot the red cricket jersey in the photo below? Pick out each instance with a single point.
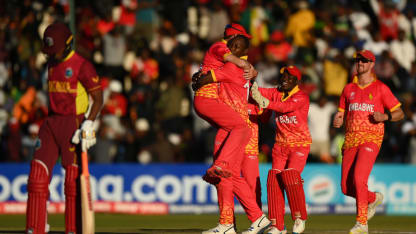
(360, 103)
(213, 59)
(291, 117)
(234, 88)
(68, 83)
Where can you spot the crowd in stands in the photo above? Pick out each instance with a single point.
(146, 51)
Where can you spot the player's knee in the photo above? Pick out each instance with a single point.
(71, 176)
(38, 177)
(291, 177)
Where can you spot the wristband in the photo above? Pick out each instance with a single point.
(388, 116)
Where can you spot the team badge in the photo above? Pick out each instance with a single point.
(370, 96)
(68, 72)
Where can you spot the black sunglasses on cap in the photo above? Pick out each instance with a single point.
(363, 60)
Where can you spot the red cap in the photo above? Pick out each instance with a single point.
(57, 36)
(235, 29)
(366, 54)
(293, 70)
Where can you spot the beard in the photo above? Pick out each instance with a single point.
(361, 70)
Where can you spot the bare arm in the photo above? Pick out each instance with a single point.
(97, 98)
(394, 116)
(237, 61)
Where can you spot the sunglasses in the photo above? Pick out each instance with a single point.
(229, 26)
(362, 60)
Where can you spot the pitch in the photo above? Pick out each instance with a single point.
(175, 224)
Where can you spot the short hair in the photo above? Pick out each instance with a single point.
(241, 37)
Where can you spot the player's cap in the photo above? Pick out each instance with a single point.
(56, 37)
(236, 29)
(365, 54)
(292, 70)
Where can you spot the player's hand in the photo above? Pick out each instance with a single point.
(380, 117)
(338, 119)
(251, 73)
(85, 135)
(256, 95)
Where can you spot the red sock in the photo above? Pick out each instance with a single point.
(295, 194)
(275, 199)
(37, 196)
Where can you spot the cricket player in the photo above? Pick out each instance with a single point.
(71, 79)
(290, 151)
(207, 96)
(233, 106)
(362, 104)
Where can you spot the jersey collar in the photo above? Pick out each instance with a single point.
(69, 56)
(293, 91)
(355, 81)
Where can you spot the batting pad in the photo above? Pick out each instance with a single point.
(72, 209)
(37, 195)
(295, 194)
(275, 199)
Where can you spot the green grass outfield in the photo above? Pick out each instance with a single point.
(170, 224)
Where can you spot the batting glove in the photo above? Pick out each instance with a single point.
(256, 95)
(85, 135)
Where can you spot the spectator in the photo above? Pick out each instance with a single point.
(114, 49)
(335, 73)
(300, 25)
(29, 142)
(117, 103)
(320, 114)
(403, 51)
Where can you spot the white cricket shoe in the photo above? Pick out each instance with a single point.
(221, 229)
(274, 230)
(298, 226)
(359, 229)
(258, 226)
(373, 205)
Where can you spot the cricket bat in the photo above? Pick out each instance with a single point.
(88, 223)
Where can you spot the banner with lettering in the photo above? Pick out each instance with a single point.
(178, 188)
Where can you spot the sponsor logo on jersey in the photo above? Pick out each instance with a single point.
(352, 95)
(60, 87)
(361, 107)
